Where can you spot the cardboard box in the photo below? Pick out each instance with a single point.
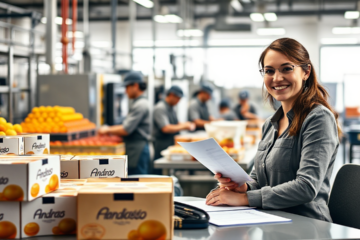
(136, 209)
(36, 144)
(12, 145)
(25, 178)
(69, 167)
(102, 166)
(51, 214)
(9, 220)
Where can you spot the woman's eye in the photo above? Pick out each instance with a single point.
(287, 69)
(269, 71)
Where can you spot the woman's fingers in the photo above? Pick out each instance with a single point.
(228, 185)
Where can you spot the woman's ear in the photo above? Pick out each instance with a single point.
(307, 72)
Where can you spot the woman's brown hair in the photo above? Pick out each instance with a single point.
(313, 95)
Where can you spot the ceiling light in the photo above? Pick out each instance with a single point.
(160, 19)
(169, 18)
(58, 20)
(257, 17)
(189, 33)
(172, 18)
(271, 31)
(351, 14)
(236, 5)
(246, 1)
(145, 3)
(339, 40)
(346, 30)
(270, 17)
(240, 42)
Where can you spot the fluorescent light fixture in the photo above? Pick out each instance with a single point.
(58, 20)
(189, 33)
(246, 1)
(169, 18)
(78, 34)
(257, 17)
(167, 43)
(270, 31)
(145, 3)
(239, 42)
(270, 17)
(160, 19)
(339, 41)
(351, 14)
(346, 30)
(172, 18)
(236, 5)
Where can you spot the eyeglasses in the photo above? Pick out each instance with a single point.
(269, 72)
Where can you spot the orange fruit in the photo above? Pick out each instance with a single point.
(7, 230)
(10, 132)
(3, 128)
(2, 120)
(35, 109)
(2, 133)
(42, 108)
(31, 229)
(18, 128)
(9, 126)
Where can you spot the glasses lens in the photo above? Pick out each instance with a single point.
(287, 69)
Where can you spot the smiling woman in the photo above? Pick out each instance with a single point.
(295, 157)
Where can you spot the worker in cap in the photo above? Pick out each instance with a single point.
(135, 129)
(198, 112)
(226, 112)
(166, 124)
(245, 110)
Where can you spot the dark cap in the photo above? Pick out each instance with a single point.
(175, 90)
(133, 77)
(244, 95)
(224, 103)
(206, 88)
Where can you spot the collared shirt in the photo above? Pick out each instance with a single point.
(237, 110)
(137, 122)
(164, 114)
(229, 116)
(198, 110)
(292, 173)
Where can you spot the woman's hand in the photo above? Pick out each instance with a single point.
(222, 196)
(230, 185)
(103, 130)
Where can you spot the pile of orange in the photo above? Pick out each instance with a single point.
(7, 129)
(55, 120)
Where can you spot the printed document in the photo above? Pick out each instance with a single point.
(244, 217)
(211, 155)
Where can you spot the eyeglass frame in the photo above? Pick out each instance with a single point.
(262, 71)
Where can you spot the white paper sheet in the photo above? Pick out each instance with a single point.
(211, 155)
(202, 205)
(244, 217)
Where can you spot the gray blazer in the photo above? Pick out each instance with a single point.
(293, 173)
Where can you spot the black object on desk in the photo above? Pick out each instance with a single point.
(189, 217)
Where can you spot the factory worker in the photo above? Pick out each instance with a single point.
(198, 110)
(245, 110)
(136, 127)
(295, 157)
(166, 124)
(225, 111)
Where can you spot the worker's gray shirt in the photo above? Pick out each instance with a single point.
(229, 116)
(198, 110)
(137, 122)
(163, 115)
(293, 173)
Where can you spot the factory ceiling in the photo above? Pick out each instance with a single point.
(100, 9)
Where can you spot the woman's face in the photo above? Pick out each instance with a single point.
(284, 86)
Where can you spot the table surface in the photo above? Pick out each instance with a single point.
(245, 163)
(300, 228)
